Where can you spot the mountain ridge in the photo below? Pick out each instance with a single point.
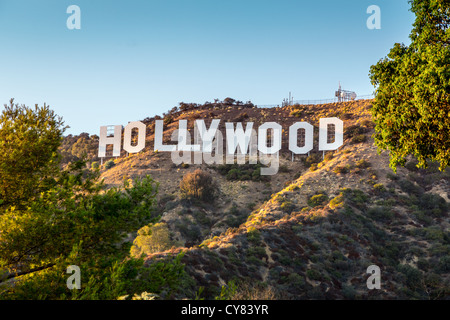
(312, 230)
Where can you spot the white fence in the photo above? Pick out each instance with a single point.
(314, 102)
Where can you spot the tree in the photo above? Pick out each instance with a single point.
(229, 101)
(412, 103)
(152, 238)
(29, 141)
(68, 219)
(199, 185)
(75, 222)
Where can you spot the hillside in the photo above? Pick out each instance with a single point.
(310, 231)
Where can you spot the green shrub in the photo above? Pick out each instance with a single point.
(167, 120)
(165, 277)
(235, 221)
(341, 169)
(317, 200)
(109, 164)
(412, 275)
(354, 130)
(337, 201)
(313, 274)
(253, 235)
(233, 174)
(444, 264)
(423, 264)
(348, 292)
(355, 196)
(434, 233)
(368, 124)
(412, 165)
(244, 172)
(313, 158)
(393, 177)
(358, 139)
(423, 217)
(363, 164)
(328, 156)
(410, 188)
(433, 204)
(295, 281)
(380, 213)
(94, 165)
(287, 206)
(316, 293)
(251, 205)
(298, 111)
(254, 260)
(379, 187)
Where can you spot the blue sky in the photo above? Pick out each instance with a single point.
(133, 59)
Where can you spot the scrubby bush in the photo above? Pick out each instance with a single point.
(412, 165)
(433, 204)
(94, 165)
(354, 130)
(296, 281)
(379, 187)
(328, 156)
(199, 185)
(109, 164)
(251, 205)
(348, 292)
(287, 206)
(410, 188)
(355, 196)
(341, 169)
(444, 264)
(380, 213)
(317, 200)
(368, 124)
(392, 176)
(337, 201)
(313, 158)
(363, 164)
(244, 172)
(169, 119)
(254, 235)
(413, 277)
(358, 139)
(313, 274)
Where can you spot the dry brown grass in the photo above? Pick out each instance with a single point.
(255, 292)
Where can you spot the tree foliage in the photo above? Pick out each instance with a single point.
(29, 141)
(52, 218)
(78, 147)
(412, 104)
(152, 238)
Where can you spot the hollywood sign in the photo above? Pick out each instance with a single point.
(208, 143)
